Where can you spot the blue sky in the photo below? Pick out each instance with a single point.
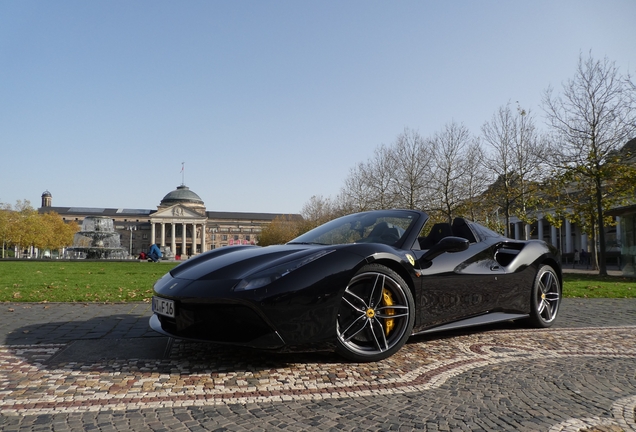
(266, 102)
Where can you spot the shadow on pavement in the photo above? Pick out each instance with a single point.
(108, 343)
(113, 342)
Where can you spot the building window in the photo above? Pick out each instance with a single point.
(144, 236)
(224, 237)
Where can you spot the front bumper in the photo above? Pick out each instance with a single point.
(219, 323)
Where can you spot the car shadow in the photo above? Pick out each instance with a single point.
(110, 343)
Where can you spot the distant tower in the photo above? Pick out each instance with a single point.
(46, 199)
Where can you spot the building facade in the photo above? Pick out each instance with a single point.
(181, 225)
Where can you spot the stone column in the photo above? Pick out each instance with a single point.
(152, 233)
(568, 236)
(194, 239)
(184, 251)
(202, 238)
(618, 231)
(163, 234)
(173, 244)
(517, 234)
(540, 228)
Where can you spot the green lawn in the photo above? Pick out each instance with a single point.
(79, 281)
(592, 286)
(107, 281)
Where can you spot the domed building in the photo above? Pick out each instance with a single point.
(181, 225)
(182, 195)
(180, 211)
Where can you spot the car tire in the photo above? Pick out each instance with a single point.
(376, 315)
(546, 298)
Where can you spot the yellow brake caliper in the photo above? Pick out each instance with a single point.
(387, 300)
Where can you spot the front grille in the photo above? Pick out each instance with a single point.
(226, 323)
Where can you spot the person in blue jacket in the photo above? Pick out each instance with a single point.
(154, 253)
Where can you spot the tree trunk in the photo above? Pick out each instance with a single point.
(594, 251)
(602, 267)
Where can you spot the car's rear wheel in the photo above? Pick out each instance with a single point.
(546, 298)
(376, 315)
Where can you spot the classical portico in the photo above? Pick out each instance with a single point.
(180, 223)
(180, 228)
(568, 237)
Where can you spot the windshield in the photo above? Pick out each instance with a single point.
(386, 227)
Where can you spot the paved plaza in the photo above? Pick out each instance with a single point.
(99, 367)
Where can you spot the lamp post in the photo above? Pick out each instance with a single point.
(131, 228)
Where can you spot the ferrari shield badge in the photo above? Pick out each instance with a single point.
(411, 259)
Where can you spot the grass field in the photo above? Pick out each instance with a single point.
(79, 281)
(107, 281)
(593, 286)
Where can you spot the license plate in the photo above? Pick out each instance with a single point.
(163, 306)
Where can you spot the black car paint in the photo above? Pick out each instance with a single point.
(301, 306)
(300, 309)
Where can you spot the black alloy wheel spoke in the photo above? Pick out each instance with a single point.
(360, 322)
(376, 293)
(405, 312)
(378, 328)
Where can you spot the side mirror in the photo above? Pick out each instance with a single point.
(446, 245)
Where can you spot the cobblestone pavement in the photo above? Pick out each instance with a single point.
(98, 367)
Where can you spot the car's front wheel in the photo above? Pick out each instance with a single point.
(546, 298)
(376, 315)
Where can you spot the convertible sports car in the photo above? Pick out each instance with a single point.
(361, 284)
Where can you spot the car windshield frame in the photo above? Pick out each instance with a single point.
(381, 226)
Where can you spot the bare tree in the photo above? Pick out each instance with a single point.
(475, 183)
(318, 210)
(516, 160)
(592, 118)
(412, 162)
(396, 176)
(450, 172)
(380, 178)
(355, 194)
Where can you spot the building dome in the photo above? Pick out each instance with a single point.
(47, 199)
(181, 195)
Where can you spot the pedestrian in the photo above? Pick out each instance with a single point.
(154, 253)
(577, 257)
(584, 258)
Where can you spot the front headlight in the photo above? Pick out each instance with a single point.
(267, 276)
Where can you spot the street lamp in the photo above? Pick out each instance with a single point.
(131, 228)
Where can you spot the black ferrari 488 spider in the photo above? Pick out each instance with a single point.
(361, 284)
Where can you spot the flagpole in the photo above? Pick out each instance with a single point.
(182, 174)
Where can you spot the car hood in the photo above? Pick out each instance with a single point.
(234, 263)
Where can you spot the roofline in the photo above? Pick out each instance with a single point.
(146, 212)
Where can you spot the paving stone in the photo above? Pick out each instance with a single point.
(578, 375)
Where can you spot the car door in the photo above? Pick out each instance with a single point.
(458, 285)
